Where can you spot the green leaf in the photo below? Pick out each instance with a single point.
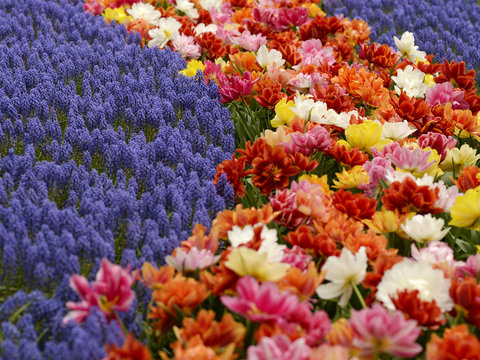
(465, 246)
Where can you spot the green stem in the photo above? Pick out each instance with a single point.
(248, 339)
(394, 66)
(359, 294)
(250, 112)
(377, 353)
(117, 318)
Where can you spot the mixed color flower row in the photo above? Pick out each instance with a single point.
(351, 159)
(448, 34)
(106, 152)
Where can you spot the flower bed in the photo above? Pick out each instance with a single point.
(449, 35)
(106, 152)
(352, 196)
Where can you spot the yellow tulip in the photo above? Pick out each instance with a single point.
(245, 261)
(365, 135)
(117, 14)
(192, 67)
(283, 113)
(349, 179)
(465, 212)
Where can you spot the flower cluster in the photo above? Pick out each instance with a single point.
(105, 152)
(354, 175)
(356, 182)
(450, 35)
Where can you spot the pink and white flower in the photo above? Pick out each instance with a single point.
(191, 260)
(280, 347)
(186, 46)
(313, 52)
(317, 139)
(444, 93)
(436, 253)
(376, 329)
(111, 291)
(250, 42)
(297, 257)
(263, 302)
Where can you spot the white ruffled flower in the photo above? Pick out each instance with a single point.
(267, 57)
(238, 236)
(167, 30)
(201, 28)
(406, 46)
(410, 80)
(303, 106)
(425, 228)
(397, 130)
(211, 4)
(270, 245)
(322, 115)
(343, 272)
(415, 275)
(146, 12)
(345, 117)
(188, 8)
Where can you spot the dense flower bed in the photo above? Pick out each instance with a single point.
(355, 179)
(106, 152)
(448, 29)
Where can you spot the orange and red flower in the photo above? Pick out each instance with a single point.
(131, 350)
(457, 74)
(356, 206)
(348, 157)
(457, 343)
(427, 314)
(234, 169)
(378, 55)
(407, 196)
(466, 296)
(181, 293)
(215, 335)
(272, 169)
(468, 178)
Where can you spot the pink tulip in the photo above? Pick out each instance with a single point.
(444, 93)
(191, 260)
(250, 42)
(114, 285)
(470, 268)
(297, 257)
(313, 52)
(314, 325)
(89, 298)
(231, 88)
(284, 202)
(111, 291)
(376, 329)
(410, 158)
(263, 302)
(317, 139)
(437, 141)
(279, 347)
